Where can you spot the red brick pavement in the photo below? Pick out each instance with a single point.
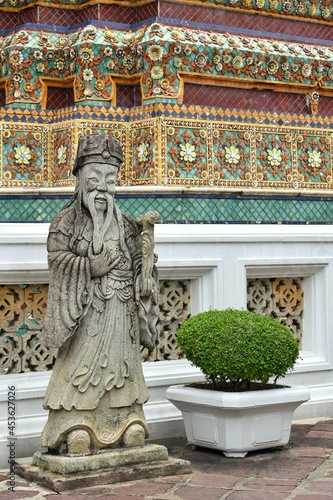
(302, 470)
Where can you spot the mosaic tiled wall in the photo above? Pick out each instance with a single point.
(178, 152)
(175, 152)
(242, 158)
(91, 59)
(23, 307)
(237, 114)
(165, 143)
(310, 9)
(215, 208)
(219, 119)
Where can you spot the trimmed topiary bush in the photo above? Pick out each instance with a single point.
(237, 349)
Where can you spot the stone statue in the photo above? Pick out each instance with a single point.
(102, 306)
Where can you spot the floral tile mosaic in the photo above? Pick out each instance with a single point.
(207, 153)
(92, 58)
(174, 152)
(166, 143)
(143, 160)
(23, 156)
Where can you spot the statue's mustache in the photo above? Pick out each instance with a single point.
(100, 225)
(95, 196)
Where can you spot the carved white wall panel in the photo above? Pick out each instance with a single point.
(215, 262)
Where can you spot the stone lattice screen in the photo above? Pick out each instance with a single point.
(22, 309)
(281, 298)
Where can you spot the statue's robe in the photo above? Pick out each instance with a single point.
(97, 382)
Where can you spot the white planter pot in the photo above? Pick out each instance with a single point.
(237, 422)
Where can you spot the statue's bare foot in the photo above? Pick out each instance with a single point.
(134, 436)
(78, 442)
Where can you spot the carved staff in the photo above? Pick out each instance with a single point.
(148, 257)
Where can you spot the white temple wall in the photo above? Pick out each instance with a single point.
(217, 259)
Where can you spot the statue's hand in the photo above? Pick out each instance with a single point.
(101, 263)
(146, 286)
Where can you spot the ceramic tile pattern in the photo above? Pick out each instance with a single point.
(218, 97)
(266, 100)
(162, 56)
(181, 209)
(174, 151)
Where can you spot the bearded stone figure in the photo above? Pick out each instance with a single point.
(102, 307)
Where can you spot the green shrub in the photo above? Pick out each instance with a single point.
(238, 347)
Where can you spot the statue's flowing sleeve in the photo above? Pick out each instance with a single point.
(69, 286)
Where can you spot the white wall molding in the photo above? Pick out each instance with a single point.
(217, 259)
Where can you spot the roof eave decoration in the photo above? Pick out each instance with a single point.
(160, 57)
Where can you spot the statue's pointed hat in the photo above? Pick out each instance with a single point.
(97, 148)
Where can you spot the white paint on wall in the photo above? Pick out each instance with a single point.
(217, 259)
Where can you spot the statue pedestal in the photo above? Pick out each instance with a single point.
(63, 473)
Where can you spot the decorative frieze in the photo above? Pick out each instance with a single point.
(175, 152)
(92, 59)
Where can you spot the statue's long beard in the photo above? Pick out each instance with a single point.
(101, 219)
